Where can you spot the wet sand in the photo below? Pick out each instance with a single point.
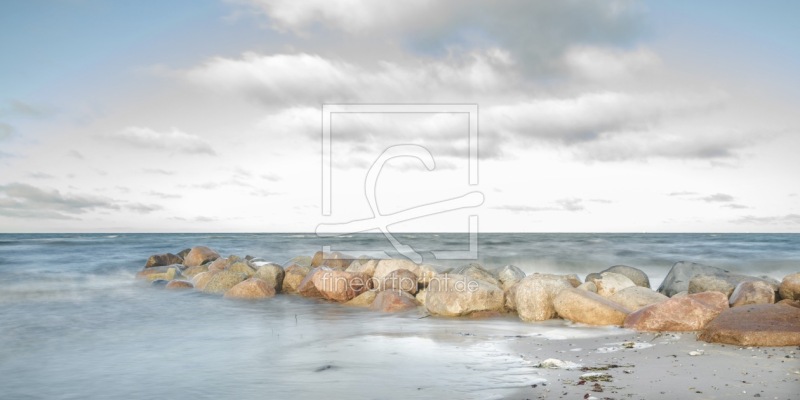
(657, 366)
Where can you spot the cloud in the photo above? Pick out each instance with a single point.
(568, 204)
(40, 175)
(25, 201)
(143, 208)
(788, 219)
(736, 206)
(718, 198)
(75, 154)
(157, 171)
(173, 140)
(6, 131)
(162, 195)
(684, 193)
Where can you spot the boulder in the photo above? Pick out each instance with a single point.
(400, 279)
(177, 284)
(636, 297)
(573, 280)
(166, 273)
(681, 273)
(253, 288)
(334, 260)
(159, 283)
(476, 271)
(792, 303)
(201, 280)
(221, 281)
(192, 271)
(755, 325)
(689, 313)
(425, 273)
(199, 255)
(533, 296)
(752, 292)
(306, 287)
(271, 273)
(182, 254)
(242, 267)
(456, 295)
(220, 264)
(339, 285)
(293, 277)
(588, 308)
(588, 286)
(508, 276)
(421, 296)
(611, 282)
(160, 260)
(366, 267)
(790, 287)
(393, 301)
(303, 261)
(637, 276)
(722, 282)
(363, 300)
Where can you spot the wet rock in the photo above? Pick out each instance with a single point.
(456, 295)
(533, 296)
(637, 276)
(160, 260)
(178, 284)
(293, 277)
(588, 308)
(790, 287)
(688, 313)
(681, 273)
(636, 297)
(271, 273)
(611, 282)
(221, 281)
(199, 255)
(752, 292)
(253, 288)
(400, 279)
(508, 276)
(339, 285)
(755, 325)
(335, 260)
(476, 271)
(363, 300)
(393, 301)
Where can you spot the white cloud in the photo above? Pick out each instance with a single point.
(606, 64)
(21, 200)
(173, 140)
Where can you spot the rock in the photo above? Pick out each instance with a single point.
(476, 271)
(293, 276)
(335, 260)
(201, 280)
(717, 282)
(306, 287)
(790, 287)
(303, 261)
(508, 276)
(456, 295)
(592, 276)
(386, 266)
(192, 271)
(681, 273)
(792, 303)
(636, 297)
(160, 260)
(573, 280)
(159, 283)
(611, 282)
(421, 296)
(242, 267)
(221, 281)
(588, 308)
(273, 274)
(680, 294)
(752, 292)
(400, 279)
(177, 284)
(755, 325)
(688, 313)
(199, 255)
(533, 296)
(253, 288)
(637, 276)
(366, 267)
(340, 286)
(425, 273)
(220, 264)
(182, 254)
(393, 301)
(166, 273)
(588, 286)
(363, 300)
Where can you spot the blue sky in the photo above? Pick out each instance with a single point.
(203, 115)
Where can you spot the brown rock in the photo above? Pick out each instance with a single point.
(160, 260)
(306, 287)
(718, 282)
(792, 303)
(340, 286)
(273, 274)
(253, 288)
(221, 281)
(611, 282)
(755, 325)
(363, 300)
(393, 301)
(689, 313)
(366, 267)
(293, 276)
(199, 255)
(182, 254)
(242, 268)
(588, 286)
(752, 292)
(176, 284)
(456, 295)
(333, 260)
(790, 287)
(588, 308)
(636, 297)
(477, 271)
(166, 273)
(637, 276)
(533, 296)
(400, 279)
(508, 276)
(192, 271)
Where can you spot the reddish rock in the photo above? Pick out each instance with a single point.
(160, 260)
(335, 260)
(199, 255)
(393, 301)
(340, 286)
(688, 313)
(752, 292)
(790, 287)
(755, 325)
(590, 308)
(306, 287)
(400, 279)
(201, 280)
(176, 284)
(253, 288)
(792, 303)
(293, 277)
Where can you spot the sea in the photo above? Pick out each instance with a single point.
(75, 324)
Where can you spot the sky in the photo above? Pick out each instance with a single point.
(207, 116)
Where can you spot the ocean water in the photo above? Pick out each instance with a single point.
(75, 324)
